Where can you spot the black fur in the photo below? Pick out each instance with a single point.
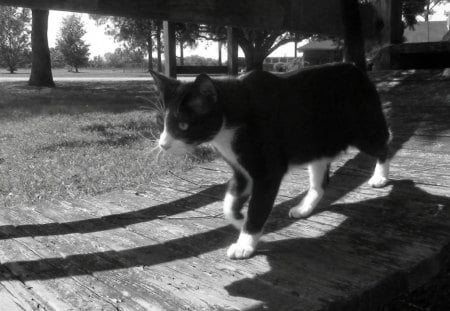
(279, 120)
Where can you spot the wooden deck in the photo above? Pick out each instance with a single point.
(165, 249)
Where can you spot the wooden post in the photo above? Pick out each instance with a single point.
(353, 37)
(391, 12)
(232, 52)
(170, 61)
(219, 47)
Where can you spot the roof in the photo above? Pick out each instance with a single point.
(319, 45)
(437, 29)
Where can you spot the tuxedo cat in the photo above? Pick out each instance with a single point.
(263, 123)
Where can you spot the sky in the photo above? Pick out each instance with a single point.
(100, 43)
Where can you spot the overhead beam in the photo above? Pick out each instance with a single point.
(306, 16)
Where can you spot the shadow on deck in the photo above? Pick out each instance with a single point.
(165, 249)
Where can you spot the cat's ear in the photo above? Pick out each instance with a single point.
(165, 85)
(206, 87)
(207, 98)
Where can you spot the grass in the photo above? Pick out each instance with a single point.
(84, 73)
(79, 139)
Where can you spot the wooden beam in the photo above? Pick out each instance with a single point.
(232, 48)
(170, 58)
(307, 16)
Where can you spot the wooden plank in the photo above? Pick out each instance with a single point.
(353, 262)
(8, 302)
(88, 262)
(307, 16)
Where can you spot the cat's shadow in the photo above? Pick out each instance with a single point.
(369, 239)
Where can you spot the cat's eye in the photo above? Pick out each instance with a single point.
(183, 126)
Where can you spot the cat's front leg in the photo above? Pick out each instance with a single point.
(238, 192)
(261, 203)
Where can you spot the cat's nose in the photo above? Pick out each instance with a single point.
(164, 145)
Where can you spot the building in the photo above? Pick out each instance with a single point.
(321, 52)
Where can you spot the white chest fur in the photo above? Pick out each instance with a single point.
(223, 142)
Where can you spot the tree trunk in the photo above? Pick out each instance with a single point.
(159, 48)
(253, 60)
(181, 54)
(149, 52)
(41, 68)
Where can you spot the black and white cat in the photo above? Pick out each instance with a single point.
(263, 123)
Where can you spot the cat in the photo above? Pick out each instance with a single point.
(262, 123)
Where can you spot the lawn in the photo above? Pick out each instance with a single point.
(79, 139)
(84, 73)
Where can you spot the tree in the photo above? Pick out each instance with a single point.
(145, 34)
(41, 67)
(14, 36)
(255, 43)
(258, 44)
(56, 57)
(138, 34)
(123, 56)
(187, 35)
(70, 42)
(413, 8)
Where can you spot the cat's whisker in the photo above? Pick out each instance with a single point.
(154, 148)
(158, 156)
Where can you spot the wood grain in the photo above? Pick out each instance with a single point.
(307, 16)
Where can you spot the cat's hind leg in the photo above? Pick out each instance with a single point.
(238, 192)
(318, 177)
(380, 176)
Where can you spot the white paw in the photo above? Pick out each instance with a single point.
(301, 211)
(240, 251)
(378, 181)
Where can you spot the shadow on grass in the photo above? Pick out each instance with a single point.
(111, 142)
(21, 101)
(114, 135)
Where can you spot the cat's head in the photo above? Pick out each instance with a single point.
(192, 113)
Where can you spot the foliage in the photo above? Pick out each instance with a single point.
(195, 60)
(97, 62)
(123, 57)
(57, 58)
(413, 8)
(258, 44)
(144, 35)
(14, 37)
(70, 42)
(138, 35)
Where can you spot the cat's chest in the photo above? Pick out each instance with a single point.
(223, 142)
